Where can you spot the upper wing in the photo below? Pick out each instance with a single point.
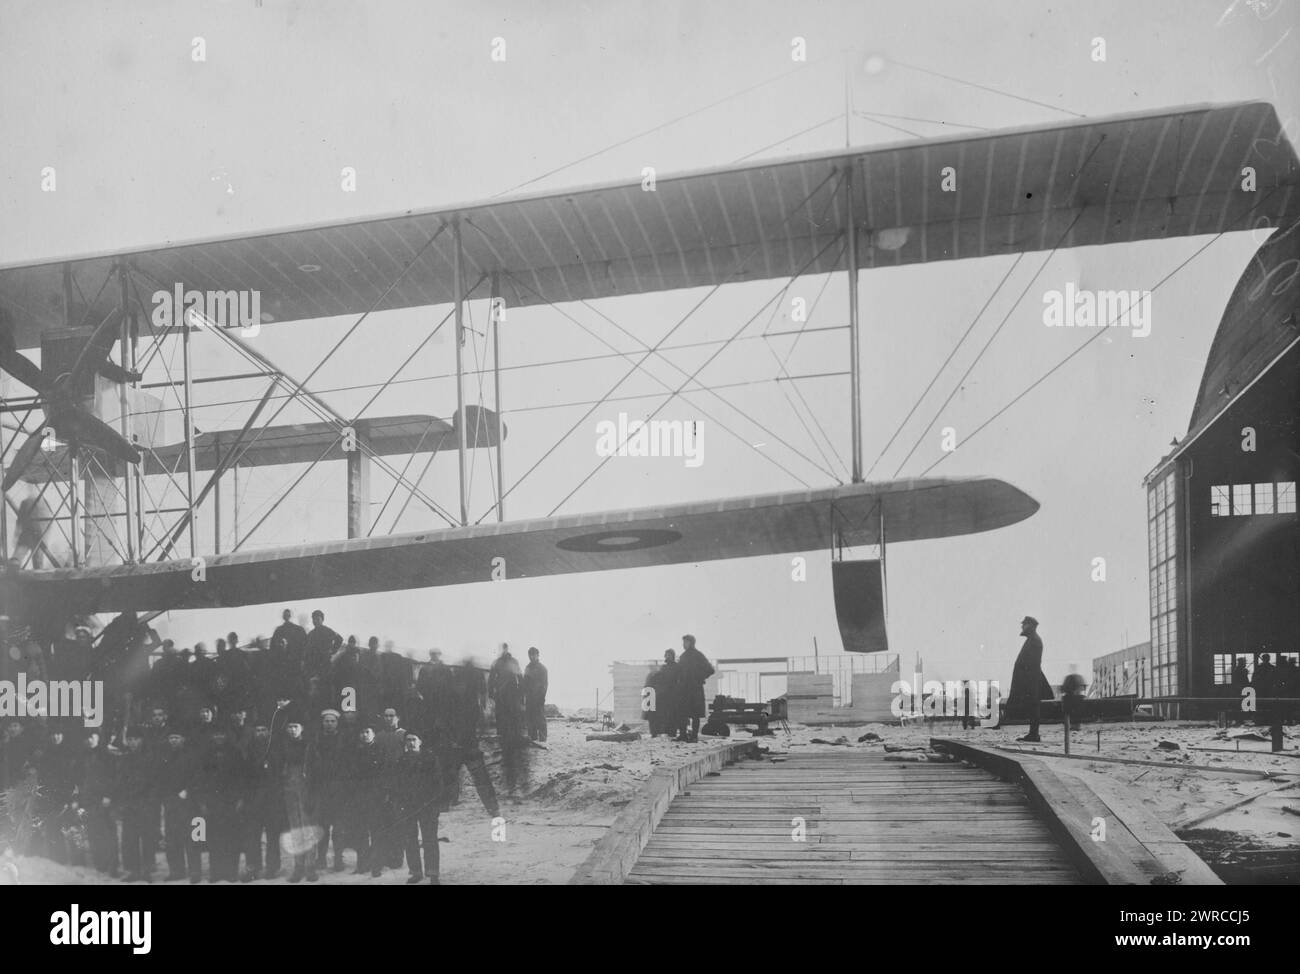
(1167, 173)
(736, 528)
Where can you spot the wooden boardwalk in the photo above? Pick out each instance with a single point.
(866, 821)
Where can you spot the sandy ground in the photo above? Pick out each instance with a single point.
(575, 788)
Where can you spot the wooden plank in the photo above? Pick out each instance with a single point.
(866, 820)
(803, 852)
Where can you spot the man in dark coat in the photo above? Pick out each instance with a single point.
(1263, 683)
(96, 775)
(290, 763)
(135, 801)
(536, 682)
(461, 749)
(294, 636)
(175, 775)
(322, 643)
(391, 741)
(417, 797)
(264, 814)
(220, 787)
(1240, 680)
(506, 685)
(1028, 685)
(328, 784)
(15, 753)
(667, 684)
(435, 686)
(56, 770)
(694, 669)
(365, 783)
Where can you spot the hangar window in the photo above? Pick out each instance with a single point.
(1263, 498)
(1286, 497)
(1220, 501)
(1241, 499)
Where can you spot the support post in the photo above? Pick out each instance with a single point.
(4, 513)
(124, 407)
(496, 396)
(74, 502)
(189, 434)
(358, 486)
(136, 470)
(74, 463)
(855, 368)
(216, 499)
(460, 373)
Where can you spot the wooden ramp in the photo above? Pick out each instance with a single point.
(866, 821)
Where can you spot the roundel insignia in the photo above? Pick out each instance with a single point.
(635, 540)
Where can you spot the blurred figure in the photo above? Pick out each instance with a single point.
(289, 764)
(506, 687)
(462, 748)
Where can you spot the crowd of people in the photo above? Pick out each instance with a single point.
(676, 703)
(278, 753)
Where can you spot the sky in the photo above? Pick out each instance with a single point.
(151, 146)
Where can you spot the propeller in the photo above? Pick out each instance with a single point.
(64, 413)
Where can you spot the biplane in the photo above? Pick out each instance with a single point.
(1198, 170)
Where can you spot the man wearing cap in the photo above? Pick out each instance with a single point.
(391, 742)
(536, 682)
(1028, 685)
(693, 670)
(329, 787)
(417, 796)
(365, 801)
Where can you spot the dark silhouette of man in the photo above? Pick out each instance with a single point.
(694, 669)
(536, 683)
(1028, 685)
